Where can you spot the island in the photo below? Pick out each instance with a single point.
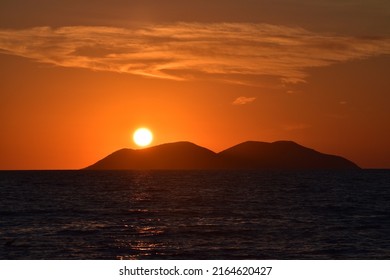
(250, 155)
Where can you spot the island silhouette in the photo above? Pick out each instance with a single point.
(282, 155)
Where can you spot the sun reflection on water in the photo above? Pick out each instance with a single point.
(145, 245)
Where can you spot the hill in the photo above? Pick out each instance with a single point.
(281, 155)
(179, 155)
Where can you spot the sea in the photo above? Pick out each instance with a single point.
(216, 215)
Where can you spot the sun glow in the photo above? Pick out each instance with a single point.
(142, 137)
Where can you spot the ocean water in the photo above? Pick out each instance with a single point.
(195, 214)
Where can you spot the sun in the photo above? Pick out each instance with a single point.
(143, 137)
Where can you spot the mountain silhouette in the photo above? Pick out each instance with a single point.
(248, 155)
(280, 155)
(179, 155)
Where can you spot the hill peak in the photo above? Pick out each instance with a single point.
(179, 144)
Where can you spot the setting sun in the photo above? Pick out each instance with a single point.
(143, 137)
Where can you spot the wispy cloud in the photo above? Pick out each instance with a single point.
(242, 100)
(225, 51)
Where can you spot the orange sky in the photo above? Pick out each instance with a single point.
(77, 79)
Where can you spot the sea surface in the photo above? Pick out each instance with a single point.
(195, 214)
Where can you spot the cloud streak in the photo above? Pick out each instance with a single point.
(227, 51)
(242, 100)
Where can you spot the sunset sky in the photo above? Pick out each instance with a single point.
(78, 77)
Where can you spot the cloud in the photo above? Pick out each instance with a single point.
(242, 100)
(226, 51)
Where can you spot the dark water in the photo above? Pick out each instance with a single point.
(194, 215)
